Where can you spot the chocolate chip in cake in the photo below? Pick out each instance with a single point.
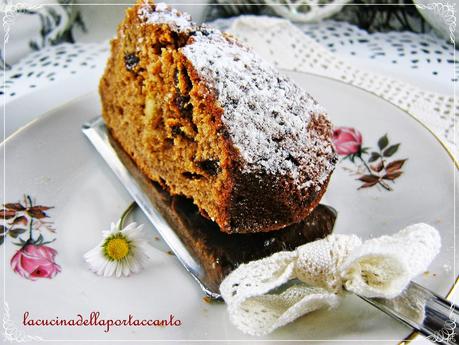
(187, 79)
(185, 107)
(204, 32)
(182, 99)
(224, 132)
(176, 130)
(130, 61)
(168, 143)
(293, 160)
(192, 176)
(179, 39)
(210, 166)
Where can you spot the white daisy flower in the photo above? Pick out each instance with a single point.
(121, 251)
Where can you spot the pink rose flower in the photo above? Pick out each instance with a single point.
(347, 140)
(35, 261)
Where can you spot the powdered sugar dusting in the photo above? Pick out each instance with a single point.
(162, 13)
(267, 115)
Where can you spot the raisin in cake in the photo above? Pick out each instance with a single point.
(207, 118)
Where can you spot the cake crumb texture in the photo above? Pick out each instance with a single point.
(207, 118)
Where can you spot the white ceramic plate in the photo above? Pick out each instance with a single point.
(53, 162)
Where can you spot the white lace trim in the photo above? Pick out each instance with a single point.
(266, 294)
(11, 331)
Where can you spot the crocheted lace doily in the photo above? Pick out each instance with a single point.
(52, 64)
(269, 293)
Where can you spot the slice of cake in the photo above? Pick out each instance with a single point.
(208, 119)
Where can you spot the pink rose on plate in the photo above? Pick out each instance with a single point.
(347, 140)
(35, 261)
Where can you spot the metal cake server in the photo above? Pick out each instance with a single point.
(417, 307)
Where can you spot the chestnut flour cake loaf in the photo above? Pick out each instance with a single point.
(208, 119)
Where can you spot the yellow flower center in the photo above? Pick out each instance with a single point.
(117, 248)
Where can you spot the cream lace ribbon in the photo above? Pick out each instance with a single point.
(269, 293)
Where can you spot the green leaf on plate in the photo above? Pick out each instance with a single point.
(374, 156)
(383, 142)
(2, 239)
(16, 232)
(390, 150)
(39, 239)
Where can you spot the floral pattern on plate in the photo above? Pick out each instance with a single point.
(372, 166)
(26, 222)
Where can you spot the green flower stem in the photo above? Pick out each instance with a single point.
(30, 200)
(30, 229)
(126, 214)
(381, 156)
(382, 184)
